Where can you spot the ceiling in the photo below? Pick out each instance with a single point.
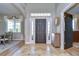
(74, 10)
(41, 7)
(8, 9)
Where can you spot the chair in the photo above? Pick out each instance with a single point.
(8, 36)
(3, 39)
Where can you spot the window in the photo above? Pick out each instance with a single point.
(10, 25)
(74, 24)
(32, 27)
(48, 27)
(40, 14)
(14, 26)
(18, 27)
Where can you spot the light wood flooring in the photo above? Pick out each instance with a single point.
(74, 51)
(42, 50)
(39, 50)
(11, 47)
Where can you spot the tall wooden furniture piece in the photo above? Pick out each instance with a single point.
(56, 42)
(75, 36)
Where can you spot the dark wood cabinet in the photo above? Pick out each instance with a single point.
(75, 36)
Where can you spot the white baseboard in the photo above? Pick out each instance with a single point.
(17, 39)
(27, 43)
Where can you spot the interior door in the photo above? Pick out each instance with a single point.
(40, 28)
(68, 30)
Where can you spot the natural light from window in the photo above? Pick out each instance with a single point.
(40, 14)
(14, 26)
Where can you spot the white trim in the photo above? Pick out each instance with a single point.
(33, 18)
(27, 42)
(19, 7)
(18, 39)
(63, 24)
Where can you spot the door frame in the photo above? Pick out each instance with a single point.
(63, 23)
(33, 36)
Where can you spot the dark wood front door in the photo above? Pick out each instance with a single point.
(40, 28)
(68, 31)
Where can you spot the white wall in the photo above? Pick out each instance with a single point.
(1, 25)
(53, 28)
(1, 29)
(60, 8)
(28, 27)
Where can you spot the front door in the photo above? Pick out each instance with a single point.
(40, 28)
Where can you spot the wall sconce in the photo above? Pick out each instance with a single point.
(57, 21)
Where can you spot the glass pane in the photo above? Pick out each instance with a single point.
(18, 27)
(10, 25)
(14, 26)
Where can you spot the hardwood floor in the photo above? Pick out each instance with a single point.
(41, 50)
(11, 47)
(73, 51)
